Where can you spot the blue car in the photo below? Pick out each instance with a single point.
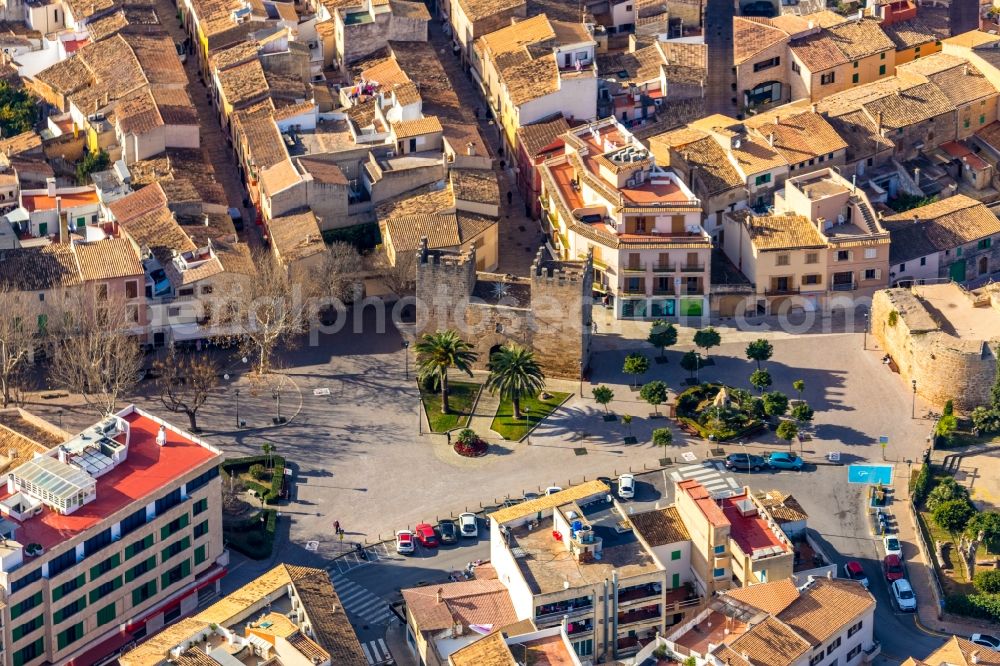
(783, 460)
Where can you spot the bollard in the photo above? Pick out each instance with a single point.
(585, 478)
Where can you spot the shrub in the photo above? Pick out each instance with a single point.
(467, 436)
(953, 514)
(982, 606)
(250, 537)
(687, 403)
(257, 472)
(787, 431)
(949, 408)
(365, 237)
(986, 420)
(946, 491)
(987, 581)
(922, 484)
(802, 413)
(987, 522)
(760, 380)
(270, 494)
(775, 404)
(893, 318)
(429, 384)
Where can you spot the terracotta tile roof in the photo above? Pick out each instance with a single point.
(818, 52)
(471, 225)
(279, 177)
(535, 138)
(108, 259)
(770, 598)
(962, 84)
(768, 643)
(750, 37)
(308, 648)
(660, 526)
(859, 39)
(132, 205)
(930, 25)
(235, 257)
(800, 137)
(942, 225)
(39, 268)
(243, 84)
(858, 130)
(284, 87)
(323, 172)
(783, 232)
(83, 9)
(405, 232)
(66, 76)
(755, 156)
(238, 54)
(910, 106)
(264, 145)
(490, 650)
(194, 657)
(175, 106)
(326, 615)
(520, 34)
(825, 608)
(475, 185)
(475, 10)
(784, 508)
(405, 129)
(387, 73)
(527, 81)
(429, 199)
(296, 236)
(483, 602)
(825, 18)
(640, 66)
(547, 502)
(958, 651)
(685, 55)
(158, 231)
(157, 58)
(422, 65)
(19, 144)
(138, 114)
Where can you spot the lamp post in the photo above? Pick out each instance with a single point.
(237, 392)
(865, 346)
(276, 394)
(406, 359)
(744, 447)
(913, 409)
(697, 368)
(581, 378)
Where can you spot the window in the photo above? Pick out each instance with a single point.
(872, 274)
(200, 506)
(105, 589)
(916, 49)
(104, 567)
(143, 593)
(175, 548)
(827, 79)
(855, 78)
(131, 289)
(718, 573)
(199, 554)
(70, 609)
(176, 574)
(763, 179)
(201, 529)
(855, 651)
(176, 524)
(782, 260)
(881, 56)
(843, 255)
(200, 480)
(133, 522)
(22, 607)
(23, 630)
(168, 501)
(95, 543)
(923, 261)
(985, 243)
(764, 93)
(62, 562)
(855, 629)
(812, 257)
(719, 550)
(30, 651)
(145, 566)
(135, 548)
(870, 253)
(832, 646)
(207, 289)
(881, 69)
(982, 119)
(106, 614)
(812, 279)
(25, 580)
(675, 555)
(796, 68)
(70, 635)
(132, 313)
(186, 292)
(67, 587)
(102, 292)
(766, 64)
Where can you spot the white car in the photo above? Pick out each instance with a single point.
(405, 542)
(906, 600)
(892, 545)
(626, 486)
(468, 525)
(552, 490)
(986, 640)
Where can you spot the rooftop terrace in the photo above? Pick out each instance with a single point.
(952, 308)
(714, 629)
(750, 531)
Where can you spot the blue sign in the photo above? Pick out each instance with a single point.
(870, 474)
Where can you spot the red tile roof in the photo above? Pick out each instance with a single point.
(707, 505)
(749, 532)
(147, 469)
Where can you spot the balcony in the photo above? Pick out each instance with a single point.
(692, 268)
(782, 291)
(872, 651)
(634, 270)
(845, 286)
(555, 612)
(635, 289)
(579, 628)
(632, 594)
(661, 291)
(639, 615)
(664, 268)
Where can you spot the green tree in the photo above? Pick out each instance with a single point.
(257, 471)
(636, 364)
(775, 404)
(603, 395)
(995, 391)
(800, 386)
(946, 490)
(627, 422)
(437, 353)
(18, 110)
(515, 374)
(802, 413)
(953, 515)
(268, 449)
(985, 420)
(787, 431)
(655, 393)
(662, 335)
(759, 350)
(949, 408)
(987, 581)
(90, 163)
(691, 363)
(987, 523)
(707, 338)
(760, 380)
(662, 437)
(945, 428)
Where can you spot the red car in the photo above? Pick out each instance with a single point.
(426, 535)
(893, 567)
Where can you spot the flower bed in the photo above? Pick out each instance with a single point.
(470, 445)
(697, 414)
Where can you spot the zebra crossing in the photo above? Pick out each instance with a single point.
(359, 602)
(377, 653)
(351, 559)
(710, 474)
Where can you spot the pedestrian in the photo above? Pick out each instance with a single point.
(336, 526)
(448, 435)
(510, 197)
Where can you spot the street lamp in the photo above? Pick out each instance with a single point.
(581, 378)
(237, 391)
(697, 367)
(913, 409)
(865, 346)
(276, 394)
(406, 359)
(744, 447)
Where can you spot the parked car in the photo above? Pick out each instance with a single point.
(552, 490)
(784, 460)
(626, 486)
(892, 545)
(893, 568)
(530, 496)
(854, 571)
(744, 461)
(468, 525)
(986, 640)
(426, 535)
(906, 600)
(404, 542)
(449, 531)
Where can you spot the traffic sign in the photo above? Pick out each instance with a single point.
(870, 474)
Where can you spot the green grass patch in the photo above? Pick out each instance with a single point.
(270, 487)
(461, 400)
(535, 409)
(253, 537)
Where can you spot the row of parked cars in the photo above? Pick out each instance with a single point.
(895, 574)
(750, 462)
(447, 532)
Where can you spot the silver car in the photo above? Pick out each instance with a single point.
(468, 525)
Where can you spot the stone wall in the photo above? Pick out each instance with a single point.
(944, 366)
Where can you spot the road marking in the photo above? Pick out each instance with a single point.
(732, 483)
(675, 476)
(376, 652)
(359, 602)
(689, 456)
(690, 468)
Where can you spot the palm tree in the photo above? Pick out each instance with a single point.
(515, 374)
(436, 353)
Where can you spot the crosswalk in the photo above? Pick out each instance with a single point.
(352, 560)
(377, 653)
(359, 603)
(709, 474)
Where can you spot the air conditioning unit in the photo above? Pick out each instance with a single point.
(313, 45)
(390, 153)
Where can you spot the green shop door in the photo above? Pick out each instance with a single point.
(957, 271)
(675, 581)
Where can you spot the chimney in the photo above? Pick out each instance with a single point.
(50, 186)
(916, 176)
(205, 220)
(440, 595)
(161, 436)
(62, 221)
(812, 107)
(770, 139)
(470, 149)
(777, 120)
(62, 454)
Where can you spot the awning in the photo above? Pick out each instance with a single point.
(176, 599)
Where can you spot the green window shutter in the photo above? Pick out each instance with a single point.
(70, 635)
(24, 629)
(185, 521)
(675, 555)
(24, 606)
(105, 566)
(199, 554)
(106, 614)
(186, 568)
(200, 506)
(201, 529)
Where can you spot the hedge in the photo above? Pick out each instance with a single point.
(245, 536)
(981, 606)
(270, 495)
(922, 484)
(752, 428)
